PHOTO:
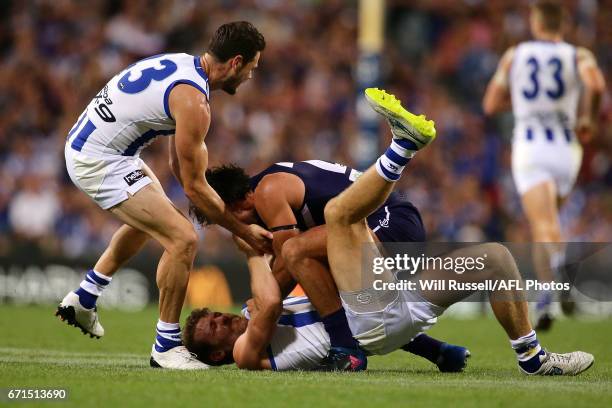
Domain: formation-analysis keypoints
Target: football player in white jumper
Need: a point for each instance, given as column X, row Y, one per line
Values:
column 164, row 95
column 544, row 79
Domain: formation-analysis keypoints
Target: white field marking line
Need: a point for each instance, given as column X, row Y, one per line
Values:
column 11, row 351
column 67, row 361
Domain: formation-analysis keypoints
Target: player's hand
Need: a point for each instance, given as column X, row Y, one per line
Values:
column 250, row 303
column 258, row 238
column 585, row 129
column 244, row 247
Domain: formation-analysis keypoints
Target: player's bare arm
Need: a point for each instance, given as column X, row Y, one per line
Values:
column 497, row 97
column 192, row 114
column 264, row 309
column 173, row 161
column 276, row 196
column 594, row 87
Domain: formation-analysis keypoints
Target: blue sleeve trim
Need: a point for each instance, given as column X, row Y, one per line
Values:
column 199, row 69
column 172, row 85
column 145, row 138
column 271, row 358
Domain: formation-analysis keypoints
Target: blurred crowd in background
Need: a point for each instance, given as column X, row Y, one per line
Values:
column 57, row 54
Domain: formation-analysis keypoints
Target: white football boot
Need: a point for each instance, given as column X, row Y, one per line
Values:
column 563, row 364
column 177, row 358
column 72, row 312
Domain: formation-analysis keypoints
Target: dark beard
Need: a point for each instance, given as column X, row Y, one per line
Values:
column 229, row 88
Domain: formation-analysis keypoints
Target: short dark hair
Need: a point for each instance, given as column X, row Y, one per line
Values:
column 230, row 181
column 200, row 348
column 236, row 38
column 551, row 13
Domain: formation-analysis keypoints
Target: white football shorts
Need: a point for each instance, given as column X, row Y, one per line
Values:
column 537, row 158
column 108, row 180
column 383, row 321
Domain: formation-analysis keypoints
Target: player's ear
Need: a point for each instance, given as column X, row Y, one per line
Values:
column 217, row 355
column 237, row 62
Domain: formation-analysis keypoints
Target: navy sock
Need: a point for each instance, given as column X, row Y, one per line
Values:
column 391, row 164
column 528, row 352
column 425, row 346
column 91, row 287
column 168, row 336
column 534, row 363
column 337, row 327
column 86, row 299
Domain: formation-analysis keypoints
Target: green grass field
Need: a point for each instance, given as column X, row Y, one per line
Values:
column 36, row 350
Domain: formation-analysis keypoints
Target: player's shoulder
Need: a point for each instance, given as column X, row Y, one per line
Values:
column 188, row 101
column 584, row 54
column 277, row 180
column 276, row 185
column 509, row 54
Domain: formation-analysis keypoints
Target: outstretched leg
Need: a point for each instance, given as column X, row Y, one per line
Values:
column 349, row 239
column 346, row 214
column 509, row 307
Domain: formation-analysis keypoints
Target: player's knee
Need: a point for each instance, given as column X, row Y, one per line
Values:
column 546, row 231
column 291, row 252
column 335, row 213
column 184, row 244
column 500, row 260
column 544, row 227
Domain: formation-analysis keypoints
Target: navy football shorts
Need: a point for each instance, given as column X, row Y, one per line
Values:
column 398, row 222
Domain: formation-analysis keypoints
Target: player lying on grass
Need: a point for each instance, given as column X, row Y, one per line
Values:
column 288, row 199
column 379, row 320
column 267, row 337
